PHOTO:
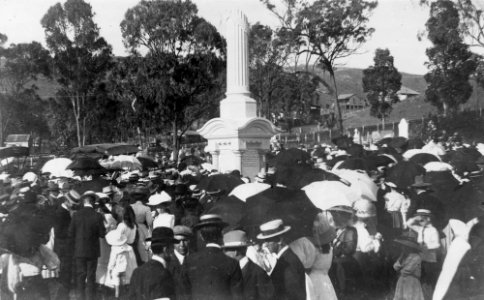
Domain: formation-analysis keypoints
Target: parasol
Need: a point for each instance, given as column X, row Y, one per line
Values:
column 327, row 194
column 361, row 184
column 244, row 191
column 231, row 209
column 86, row 166
column 57, row 167
column 424, row 158
column 223, row 182
column 122, row 162
column 292, row 206
column 403, row 174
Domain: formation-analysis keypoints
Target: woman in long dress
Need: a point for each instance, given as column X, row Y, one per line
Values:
column 409, row 267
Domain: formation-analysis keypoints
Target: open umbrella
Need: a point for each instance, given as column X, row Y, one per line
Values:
column 14, row 151
column 57, row 167
column 361, row 183
column 464, row 160
column 327, row 194
column 122, row 162
column 86, row 166
column 403, row 174
column 147, row 162
column 231, row 209
column 223, row 182
column 292, row 206
column 424, row 158
column 192, row 160
column 244, row 191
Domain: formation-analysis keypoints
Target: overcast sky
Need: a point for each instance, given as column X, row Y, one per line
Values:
column 396, row 22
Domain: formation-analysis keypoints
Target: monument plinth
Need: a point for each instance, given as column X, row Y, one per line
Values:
column 238, row 139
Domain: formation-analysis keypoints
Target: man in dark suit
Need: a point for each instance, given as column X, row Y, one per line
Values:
column 182, row 234
column 63, row 243
column 86, row 228
column 209, row 273
column 257, row 284
column 152, row 280
column 288, row 275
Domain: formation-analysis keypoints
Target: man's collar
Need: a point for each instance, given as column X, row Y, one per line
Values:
column 65, row 206
column 243, row 262
column 281, row 252
column 213, row 245
column 179, row 256
column 159, row 259
column 88, row 205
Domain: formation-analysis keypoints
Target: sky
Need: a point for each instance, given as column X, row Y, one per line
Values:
column 396, row 22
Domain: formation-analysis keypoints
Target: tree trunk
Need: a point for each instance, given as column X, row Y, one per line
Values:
column 176, row 144
column 445, row 108
column 338, row 109
column 1, row 128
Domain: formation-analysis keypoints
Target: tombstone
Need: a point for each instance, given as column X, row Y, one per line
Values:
column 238, row 139
column 356, row 137
column 403, row 128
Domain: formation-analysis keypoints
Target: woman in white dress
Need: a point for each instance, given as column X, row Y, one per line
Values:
column 316, row 256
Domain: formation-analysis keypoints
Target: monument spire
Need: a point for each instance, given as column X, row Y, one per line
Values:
column 238, row 104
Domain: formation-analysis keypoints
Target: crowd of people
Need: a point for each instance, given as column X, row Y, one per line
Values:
column 155, row 234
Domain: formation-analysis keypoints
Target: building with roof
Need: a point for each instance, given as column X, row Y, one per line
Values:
column 405, row 93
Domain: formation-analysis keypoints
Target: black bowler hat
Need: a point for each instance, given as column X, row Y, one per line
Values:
column 162, row 236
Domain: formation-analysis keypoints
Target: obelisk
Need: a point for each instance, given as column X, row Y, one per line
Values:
column 238, row 139
column 238, row 104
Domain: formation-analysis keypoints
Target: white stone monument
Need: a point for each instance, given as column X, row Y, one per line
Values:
column 403, row 128
column 238, row 139
column 357, row 137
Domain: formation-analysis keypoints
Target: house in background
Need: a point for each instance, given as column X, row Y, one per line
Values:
column 406, row 93
column 351, row 102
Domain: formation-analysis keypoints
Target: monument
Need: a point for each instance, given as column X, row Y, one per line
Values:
column 238, row 139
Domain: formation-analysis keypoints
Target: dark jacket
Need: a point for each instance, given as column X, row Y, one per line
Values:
column 63, row 244
column 210, row 274
column 151, row 281
column 175, row 269
column 257, row 284
column 288, row 277
column 87, row 227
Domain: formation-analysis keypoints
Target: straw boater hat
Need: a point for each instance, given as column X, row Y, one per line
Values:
column 116, row 238
column 159, row 198
column 342, row 208
column 108, row 190
column 271, row 229
column 90, row 194
column 73, row 197
column 423, row 212
column 235, row 239
column 408, row 242
column 210, row 220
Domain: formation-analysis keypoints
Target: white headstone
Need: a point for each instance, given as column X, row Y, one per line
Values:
column 356, row 136
column 403, row 128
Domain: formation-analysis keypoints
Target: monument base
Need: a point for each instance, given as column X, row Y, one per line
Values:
column 238, row 107
column 238, row 145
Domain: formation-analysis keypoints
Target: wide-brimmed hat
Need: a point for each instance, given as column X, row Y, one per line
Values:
column 235, row 239
column 159, row 198
column 342, row 208
column 423, row 212
column 180, row 231
column 73, row 197
column 408, row 242
column 108, row 190
column 420, row 182
column 89, row 194
column 271, row 229
column 210, row 220
column 116, row 238
column 162, row 236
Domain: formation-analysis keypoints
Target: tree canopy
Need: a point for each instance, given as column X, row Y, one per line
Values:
column 450, row 61
column 381, row 82
column 81, row 58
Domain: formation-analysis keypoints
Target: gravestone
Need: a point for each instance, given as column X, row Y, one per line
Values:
column 403, row 128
